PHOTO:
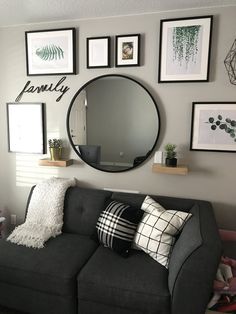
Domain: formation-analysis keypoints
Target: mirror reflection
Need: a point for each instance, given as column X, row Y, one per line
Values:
column 113, row 123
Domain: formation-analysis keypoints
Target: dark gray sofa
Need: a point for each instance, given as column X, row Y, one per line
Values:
column 75, row 275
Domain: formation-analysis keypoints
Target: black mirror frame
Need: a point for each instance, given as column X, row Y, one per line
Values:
column 69, row 111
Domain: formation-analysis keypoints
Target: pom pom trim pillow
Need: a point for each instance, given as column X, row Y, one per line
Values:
column 156, row 232
column 116, row 226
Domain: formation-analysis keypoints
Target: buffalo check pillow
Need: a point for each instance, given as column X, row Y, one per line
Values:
column 156, row 232
column 116, row 226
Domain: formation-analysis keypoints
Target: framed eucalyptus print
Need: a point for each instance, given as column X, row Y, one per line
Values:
column 25, row 123
column 213, row 126
column 184, row 52
column 50, row 52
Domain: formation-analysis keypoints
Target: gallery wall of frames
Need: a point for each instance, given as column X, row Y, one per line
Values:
column 184, row 57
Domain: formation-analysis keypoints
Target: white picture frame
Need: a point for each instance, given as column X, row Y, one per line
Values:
column 98, row 52
column 25, row 123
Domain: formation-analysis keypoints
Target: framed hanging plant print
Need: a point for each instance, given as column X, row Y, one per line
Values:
column 50, row 52
column 185, row 49
column 213, row 126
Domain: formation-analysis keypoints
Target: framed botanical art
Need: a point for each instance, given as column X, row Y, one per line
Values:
column 184, row 52
column 25, row 123
column 98, row 52
column 50, row 52
column 128, row 50
column 213, row 126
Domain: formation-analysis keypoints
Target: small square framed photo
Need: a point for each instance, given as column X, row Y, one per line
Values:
column 98, row 52
column 184, row 52
column 213, row 126
column 50, row 52
column 128, row 50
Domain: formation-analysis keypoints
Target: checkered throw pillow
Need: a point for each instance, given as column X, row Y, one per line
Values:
column 116, row 226
column 156, row 232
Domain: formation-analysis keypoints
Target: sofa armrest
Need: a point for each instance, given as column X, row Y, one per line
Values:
column 194, row 262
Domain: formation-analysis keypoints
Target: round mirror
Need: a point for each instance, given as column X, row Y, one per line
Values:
column 113, row 123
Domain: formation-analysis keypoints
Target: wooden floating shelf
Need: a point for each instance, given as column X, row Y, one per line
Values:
column 56, row 163
column 161, row 168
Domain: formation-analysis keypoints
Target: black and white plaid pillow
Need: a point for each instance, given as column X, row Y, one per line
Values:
column 156, row 232
column 116, row 226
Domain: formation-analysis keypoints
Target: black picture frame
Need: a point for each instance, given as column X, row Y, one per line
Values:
column 26, row 128
column 181, row 59
column 51, row 52
column 213, row 126
column 98, row 52
column 131, row 43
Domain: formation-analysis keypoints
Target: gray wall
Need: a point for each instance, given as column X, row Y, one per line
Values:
column 212, row 175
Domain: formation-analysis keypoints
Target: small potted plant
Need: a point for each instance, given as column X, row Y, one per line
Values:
column 171, row 160
column 55, row 148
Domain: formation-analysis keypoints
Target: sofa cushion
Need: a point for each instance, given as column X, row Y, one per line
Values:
column 157, row 230
column 52, row 269
column 82, row 208
column 116, row 226
column 137, row 283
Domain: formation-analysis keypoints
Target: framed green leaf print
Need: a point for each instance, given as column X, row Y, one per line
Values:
column 185, row 49
column 50, row 52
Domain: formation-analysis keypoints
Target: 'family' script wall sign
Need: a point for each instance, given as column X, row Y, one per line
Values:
column 58, row 87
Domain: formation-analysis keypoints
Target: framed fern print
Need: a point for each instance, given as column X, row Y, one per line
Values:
column 50, row 52
column 185, row 49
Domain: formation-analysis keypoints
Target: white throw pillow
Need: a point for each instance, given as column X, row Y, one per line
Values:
column 156, row 232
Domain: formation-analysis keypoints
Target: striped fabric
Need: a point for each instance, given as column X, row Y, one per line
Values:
column 157, row 230
column 117, row 225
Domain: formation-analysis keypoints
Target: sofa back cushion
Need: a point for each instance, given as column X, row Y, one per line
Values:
column 82, row 208
column 136, row 200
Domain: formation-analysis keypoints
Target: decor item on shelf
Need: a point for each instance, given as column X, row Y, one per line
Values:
column 185, row 49
column 213, row 126
column 98, row 52
column 127, row 50
column 50, row 52
column 55, row 147
column 230, row 63
column 171, row 160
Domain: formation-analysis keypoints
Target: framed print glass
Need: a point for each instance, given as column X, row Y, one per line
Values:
column 213, row 126
column 185, row 49
column 50, row 52
column 26, row 128
column 127, row 50
column 98, row 52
